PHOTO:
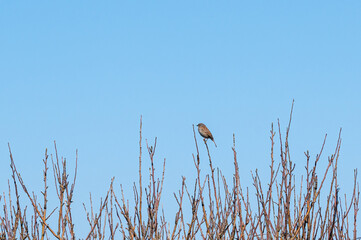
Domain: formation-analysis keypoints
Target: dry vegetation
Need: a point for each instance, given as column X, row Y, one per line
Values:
column 209, row 208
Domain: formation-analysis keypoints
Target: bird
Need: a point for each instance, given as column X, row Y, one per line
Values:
column 204, row 132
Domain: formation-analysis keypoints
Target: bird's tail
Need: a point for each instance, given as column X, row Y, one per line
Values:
column 214, row 143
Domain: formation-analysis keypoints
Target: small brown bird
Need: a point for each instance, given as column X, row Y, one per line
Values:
column 204, row 132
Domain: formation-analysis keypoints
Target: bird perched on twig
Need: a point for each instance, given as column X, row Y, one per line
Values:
column 204, row 132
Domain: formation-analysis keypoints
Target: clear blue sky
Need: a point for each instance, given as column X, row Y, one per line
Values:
column 83, row 72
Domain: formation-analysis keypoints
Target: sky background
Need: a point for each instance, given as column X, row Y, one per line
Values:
column 82, row 73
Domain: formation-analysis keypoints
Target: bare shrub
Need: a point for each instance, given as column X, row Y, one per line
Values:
column 216, row 209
